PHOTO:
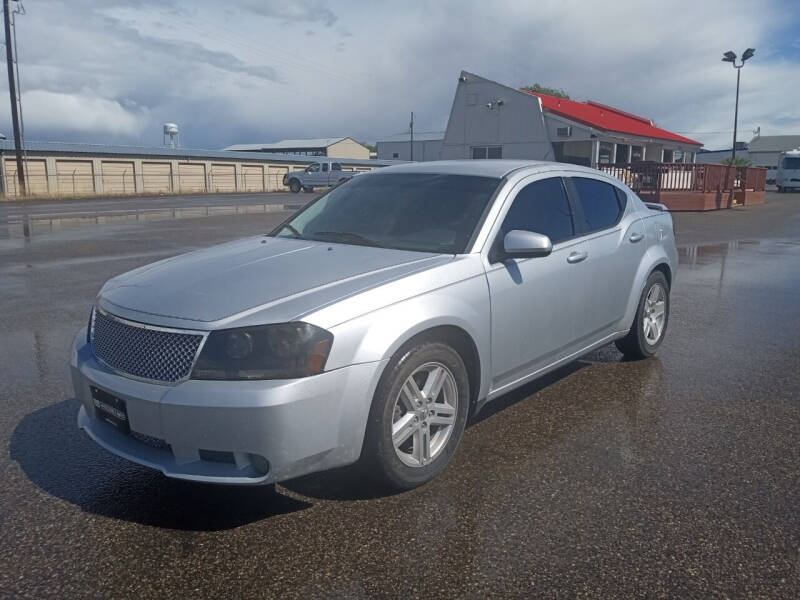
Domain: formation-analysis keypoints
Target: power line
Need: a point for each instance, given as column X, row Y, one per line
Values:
column 291, row 57
column 291, row 60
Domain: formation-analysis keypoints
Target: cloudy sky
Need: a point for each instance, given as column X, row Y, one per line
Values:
column 112, row 71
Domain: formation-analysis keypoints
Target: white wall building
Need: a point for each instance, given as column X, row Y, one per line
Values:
column 331, row 147
column 491, row 120
column 764, row 150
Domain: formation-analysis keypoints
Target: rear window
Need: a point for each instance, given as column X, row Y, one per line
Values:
column 601, row 203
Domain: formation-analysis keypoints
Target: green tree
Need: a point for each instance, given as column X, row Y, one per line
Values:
column 542, row 89
column 736, row 162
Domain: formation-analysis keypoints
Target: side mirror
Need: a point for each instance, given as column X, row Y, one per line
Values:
column 526, row 244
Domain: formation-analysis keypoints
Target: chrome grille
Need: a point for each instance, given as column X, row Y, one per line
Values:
column 144, row 352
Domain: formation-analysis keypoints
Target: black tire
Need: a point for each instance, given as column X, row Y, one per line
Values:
column 294, row 186
column 636, row 344
column 379, row 455
column 308, row 189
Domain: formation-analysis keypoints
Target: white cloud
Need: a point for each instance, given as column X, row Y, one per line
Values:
column 79, row 112
column 246, row 70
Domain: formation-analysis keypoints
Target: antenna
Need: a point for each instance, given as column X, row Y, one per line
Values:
column 171, row 132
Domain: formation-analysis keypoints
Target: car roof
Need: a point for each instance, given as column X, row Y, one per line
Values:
column 482, row 167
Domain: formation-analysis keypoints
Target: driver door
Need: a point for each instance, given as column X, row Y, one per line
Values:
column 313, row 175
column 536, row 302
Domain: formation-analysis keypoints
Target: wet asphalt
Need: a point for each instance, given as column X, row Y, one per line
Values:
column 675, row 477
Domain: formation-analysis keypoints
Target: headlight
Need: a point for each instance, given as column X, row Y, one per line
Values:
column 282, row 351
column 90, row 326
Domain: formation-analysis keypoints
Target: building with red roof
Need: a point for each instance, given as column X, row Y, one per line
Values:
column 491, row 120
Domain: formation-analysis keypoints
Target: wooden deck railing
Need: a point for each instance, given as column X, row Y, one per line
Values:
column 650, row 179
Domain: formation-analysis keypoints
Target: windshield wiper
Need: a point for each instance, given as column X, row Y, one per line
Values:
column 347, row 236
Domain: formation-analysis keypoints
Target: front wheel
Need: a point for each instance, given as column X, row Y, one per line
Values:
column 294, row 185
column 652, row 317
column 418, row 415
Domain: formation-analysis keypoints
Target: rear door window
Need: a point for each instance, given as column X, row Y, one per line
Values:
column 543, row 207
column 602, row 205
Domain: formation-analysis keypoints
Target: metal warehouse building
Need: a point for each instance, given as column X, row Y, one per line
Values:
column 491, row 120
column 60, row 169
column 765, row 150
column 331, row 147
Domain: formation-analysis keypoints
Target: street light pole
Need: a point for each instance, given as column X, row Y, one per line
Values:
column 736, row 110
column 731, row 58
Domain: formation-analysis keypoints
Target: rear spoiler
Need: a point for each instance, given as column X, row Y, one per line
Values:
column 656, row 206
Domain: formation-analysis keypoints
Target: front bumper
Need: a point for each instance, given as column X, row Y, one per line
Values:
column 236, row 432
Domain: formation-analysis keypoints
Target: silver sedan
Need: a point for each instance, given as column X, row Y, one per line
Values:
column 369, row 325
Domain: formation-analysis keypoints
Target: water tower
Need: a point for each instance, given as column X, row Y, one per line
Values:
column 171, row 132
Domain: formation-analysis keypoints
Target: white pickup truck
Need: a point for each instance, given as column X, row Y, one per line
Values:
column 324, row 173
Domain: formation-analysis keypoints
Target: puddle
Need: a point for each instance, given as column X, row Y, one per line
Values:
column 28, row 226
column 704, row 254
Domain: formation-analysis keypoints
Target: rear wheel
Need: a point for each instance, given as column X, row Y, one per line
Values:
column 294, row 185
column 418, row 415
column 652, row 317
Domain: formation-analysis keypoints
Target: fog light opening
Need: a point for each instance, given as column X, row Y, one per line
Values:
column 260, row 463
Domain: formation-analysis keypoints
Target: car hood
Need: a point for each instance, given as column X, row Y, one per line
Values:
column 226, row 280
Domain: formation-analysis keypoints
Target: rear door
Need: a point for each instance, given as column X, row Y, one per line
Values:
column 535, row 301
column 336, row 173
column 615, row 241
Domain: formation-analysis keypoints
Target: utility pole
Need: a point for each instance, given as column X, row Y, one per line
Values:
column 412, row 136
column 12, row 90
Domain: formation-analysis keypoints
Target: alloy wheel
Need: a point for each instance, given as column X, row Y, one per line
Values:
column 424, row 414
column 655, row 313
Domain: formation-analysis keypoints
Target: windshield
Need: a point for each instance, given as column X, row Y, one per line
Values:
column 791, row 162
column 425, row 212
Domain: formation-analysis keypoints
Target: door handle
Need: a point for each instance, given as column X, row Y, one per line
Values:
column 636, row 237
column 576, row 257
